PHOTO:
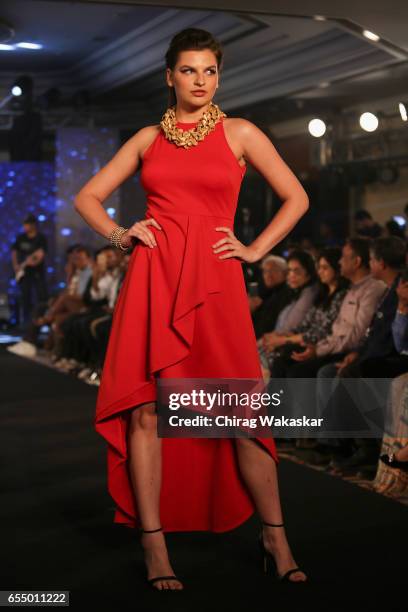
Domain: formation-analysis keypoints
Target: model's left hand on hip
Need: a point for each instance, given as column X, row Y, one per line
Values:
column 234, row 247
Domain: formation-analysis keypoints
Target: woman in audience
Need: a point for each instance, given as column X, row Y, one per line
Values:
column 317, row 323
column 301, row 278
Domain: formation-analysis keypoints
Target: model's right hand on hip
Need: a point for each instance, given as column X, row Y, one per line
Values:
column 140, row 231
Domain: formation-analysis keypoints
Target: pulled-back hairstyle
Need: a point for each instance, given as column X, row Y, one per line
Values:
column 191, row 39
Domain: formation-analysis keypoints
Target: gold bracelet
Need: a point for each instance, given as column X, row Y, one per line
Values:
column 115, row 237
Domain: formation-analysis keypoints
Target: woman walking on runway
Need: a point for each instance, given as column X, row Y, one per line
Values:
column 182, row 312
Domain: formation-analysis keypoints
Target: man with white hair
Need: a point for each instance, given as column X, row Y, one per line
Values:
column 266, row 306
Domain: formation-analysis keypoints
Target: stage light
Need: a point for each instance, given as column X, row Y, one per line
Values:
column 403, row 111
column 371, row 35
column 4, row 47
column 369, row 122
column 29, row 45
column 317, row 127
column 111, row 211
column 22, row 86
column 65, row 231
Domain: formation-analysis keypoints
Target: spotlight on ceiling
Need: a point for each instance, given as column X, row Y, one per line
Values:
column 16, row 91
column 316, row 127
column 369, row 122
column 371, row 35
column 403, row 111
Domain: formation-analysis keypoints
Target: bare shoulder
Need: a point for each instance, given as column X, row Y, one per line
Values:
column 242, row 136
column 240, row 128
column 143, row 138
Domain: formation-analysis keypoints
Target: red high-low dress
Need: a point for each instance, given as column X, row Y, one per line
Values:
column 181, row 313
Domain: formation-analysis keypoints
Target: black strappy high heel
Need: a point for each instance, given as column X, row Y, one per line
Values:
column 151, row 581
column 267, row 556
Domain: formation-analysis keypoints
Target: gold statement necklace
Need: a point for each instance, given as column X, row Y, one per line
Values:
column 189, row 138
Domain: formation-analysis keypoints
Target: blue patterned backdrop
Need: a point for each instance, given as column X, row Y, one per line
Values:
column 81, row 153
column 48, row 190
column 25, row 187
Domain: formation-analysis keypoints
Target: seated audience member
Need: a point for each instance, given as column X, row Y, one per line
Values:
column 318, row 322
column 78, row 271
column 391, row 478
column 394, row 451
column 387, row 258
column 301, row 279
column 100, row 292
column 273, row 296
column 365, row 225
column 400, row 323
column 70, row 300
column 95, row 334
column 356, row 311
column 395, row 362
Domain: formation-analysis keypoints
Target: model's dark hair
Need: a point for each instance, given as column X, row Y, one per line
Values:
column 191, row 39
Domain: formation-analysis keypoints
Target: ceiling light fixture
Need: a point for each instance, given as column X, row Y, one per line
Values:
column 316, row 127
column 403, row 111
column 29, row 45
column 371, row 35
column 369, row 122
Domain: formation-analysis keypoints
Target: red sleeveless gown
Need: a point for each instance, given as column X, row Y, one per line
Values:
column 181, row 313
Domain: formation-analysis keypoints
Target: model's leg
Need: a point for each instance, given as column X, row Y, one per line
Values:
column 259, row 472
column 145, row 471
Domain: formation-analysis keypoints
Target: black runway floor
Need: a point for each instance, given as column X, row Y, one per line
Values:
column 57, row 530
